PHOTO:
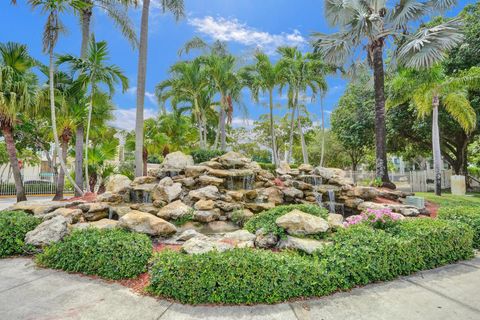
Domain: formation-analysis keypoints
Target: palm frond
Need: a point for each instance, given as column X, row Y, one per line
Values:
column 429, row 45
column 406, row 11
column 335, row 48
column 459, row 107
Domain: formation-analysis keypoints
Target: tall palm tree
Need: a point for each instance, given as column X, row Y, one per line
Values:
column 92, row 71
column 428, row 90
column 263, row 76
column 117, row 11
column 369, row 24
column 177, row 8
column 189, row 82
column 53, row 28
column 301, row 72
column 18, row 94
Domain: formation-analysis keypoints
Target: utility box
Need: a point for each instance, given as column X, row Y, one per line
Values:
column 458, row 185
column 417, row 202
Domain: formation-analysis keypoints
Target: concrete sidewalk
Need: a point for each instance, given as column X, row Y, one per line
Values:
column 451, row 292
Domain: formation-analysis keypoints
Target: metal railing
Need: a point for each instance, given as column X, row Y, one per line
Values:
column 34, row 185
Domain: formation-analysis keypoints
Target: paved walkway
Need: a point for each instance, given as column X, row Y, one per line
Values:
column 451, row 292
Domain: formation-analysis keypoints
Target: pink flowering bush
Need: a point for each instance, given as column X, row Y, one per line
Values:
column 378, row 218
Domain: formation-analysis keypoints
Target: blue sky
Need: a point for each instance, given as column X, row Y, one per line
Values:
column 245, row 24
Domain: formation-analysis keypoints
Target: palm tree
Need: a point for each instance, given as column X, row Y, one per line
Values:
column 301, row 72
column 93, row 71
column 369, row 24
column 18, row 94
column 117, row 11
column 176, row 7
column 264, row 76
column 428, row 90
column 189, row 83
column 53, row 28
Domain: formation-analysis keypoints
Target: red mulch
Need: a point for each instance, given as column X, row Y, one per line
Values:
column 278, row 182
column 432, row 208
column 385, row 200
column 157, row 247
column 137, row 284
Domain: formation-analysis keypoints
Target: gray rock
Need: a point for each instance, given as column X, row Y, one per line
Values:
column 209, row 192
column 335, row 220
column 176, row 161
column 48, row 232
column 208, row 180
column 199, row 245
column 292, row 193
column 117, row 183
column 95, row 211
column 206, row 215
column 110, row 197
column 174, row 210
column 204, row 204
column 188, row 234
column 265, row 240
column 100, row 224
column 72, row 215
column 146, row 223
column 167, row 192
column 307, row 245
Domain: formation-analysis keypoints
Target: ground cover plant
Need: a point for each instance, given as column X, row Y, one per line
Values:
column 266, row 220
column 13, row 228
column 467, row 214
column 358, row 255
column 112, row 254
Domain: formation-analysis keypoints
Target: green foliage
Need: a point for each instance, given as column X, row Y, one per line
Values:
column 183, row 219
column 127, row 168
column 112, row 254
column 358, row 255
column 202, row 155
column 467, row 214
column 14, row 225
column 266, row 220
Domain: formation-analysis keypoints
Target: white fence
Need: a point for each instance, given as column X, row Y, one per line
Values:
column 414, row 181
column 34, row 185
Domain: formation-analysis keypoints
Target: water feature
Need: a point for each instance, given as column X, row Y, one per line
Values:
column 245, row 182
column 230, row 185
column 331, row 201
column 248, row 182
column 140, row 196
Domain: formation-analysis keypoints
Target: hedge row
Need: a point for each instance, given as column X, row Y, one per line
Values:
column 359, row 255
column 266, row 219
column 14, row 225
column 112, row 254
column 466, row 214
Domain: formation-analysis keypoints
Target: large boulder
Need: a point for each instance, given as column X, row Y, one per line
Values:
column 174, row 210
column 72, row 215
column 177, row 161
column 365, row 193
column 265, row 240
column 47, row 232
column 206, row 215
column 208, row 180
column 292, row 193
column 283, row 168
column 240, row 239
column 142, row 222
column 297, row 222
column 100, row 224
column 110, row 197
column 307, row 245
column 95, row 211
column 117, row 183
column 208, row 192
column 335, row 220
column 144, row 180
column 195, row 171
column 38, row 209
column 167, row 193
column 204, row 204
column 405, row 210
column 188, row 234
column 233, row 159
column 273, row 195
column 203, row 244
column 259, row 206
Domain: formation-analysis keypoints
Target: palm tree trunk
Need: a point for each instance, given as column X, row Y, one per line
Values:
column 87, row 137
column 302, row 138
column 292, row 126
column 86, row 17
column 272, row 131
column 54, row 124
column 381, row 168
column 223, row 141
column 323, row 132
column 437, row 158
column 61, row 174
column 141, row 78
column 12, row 155
column 217, row 135
column 145, row 161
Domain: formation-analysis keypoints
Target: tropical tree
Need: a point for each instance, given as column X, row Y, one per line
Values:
column 53, row 28
column 177, row 8
column 301, row 72
column 189, row 83
column 117, row 11
column 263, row 76
column 92, row 71
column 369, row 24
column 18, row 94
column 428, row 90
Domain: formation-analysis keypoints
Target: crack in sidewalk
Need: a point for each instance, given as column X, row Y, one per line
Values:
column 24, row 283
column 165, row 311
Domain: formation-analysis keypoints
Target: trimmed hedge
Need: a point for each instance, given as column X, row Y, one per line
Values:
column 112, row 254
column 358, row 255
column 202, row 155
column 466, row 214
column 266, row 219
column 14, row 225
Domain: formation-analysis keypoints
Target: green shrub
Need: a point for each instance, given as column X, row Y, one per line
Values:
column 266, row 219
column 14, row 225
column 202, row 155
column 267, row 166
column 358, row 255
column 183, row 219
column 466, row 214
column 237, row 276
column 112, row 254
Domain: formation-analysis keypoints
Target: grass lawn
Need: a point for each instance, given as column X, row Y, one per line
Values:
column 451, row 200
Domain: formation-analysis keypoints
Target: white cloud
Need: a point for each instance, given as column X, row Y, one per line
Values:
column 125, row 118
column 235, row 31
column 242, row 122
column 149, row 95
